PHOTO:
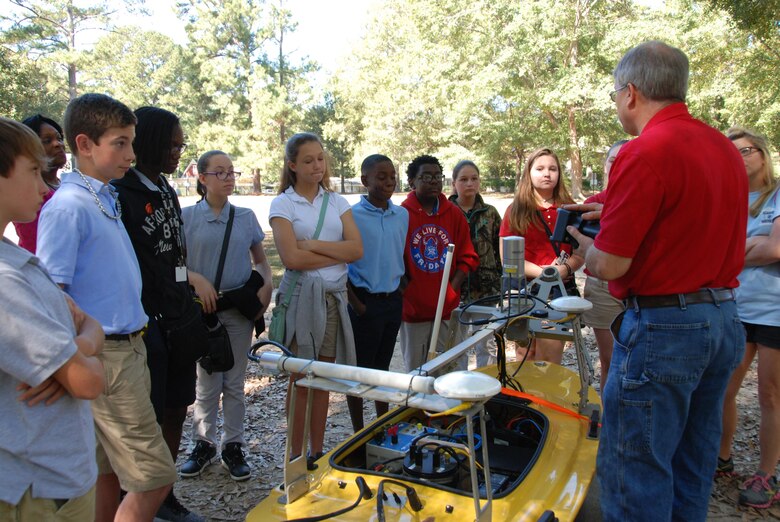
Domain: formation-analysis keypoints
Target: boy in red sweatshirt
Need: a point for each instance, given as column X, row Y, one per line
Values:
column 434, row 222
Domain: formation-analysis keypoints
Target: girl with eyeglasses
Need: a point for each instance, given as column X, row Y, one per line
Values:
column 50, row 133
column 532, row 215
column 205, row 226
column 759, row 286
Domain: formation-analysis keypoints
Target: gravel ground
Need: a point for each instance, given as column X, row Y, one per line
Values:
column 217, row 497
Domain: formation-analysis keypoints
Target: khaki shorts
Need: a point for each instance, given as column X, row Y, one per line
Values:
column 605, row 307
column 332, row 325
column 75, row 509
column 130, row 442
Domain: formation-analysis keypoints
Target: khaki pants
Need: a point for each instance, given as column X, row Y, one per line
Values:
column 130, row 442
column 76, row 509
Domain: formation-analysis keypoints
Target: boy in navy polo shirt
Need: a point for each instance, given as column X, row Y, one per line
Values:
column 374, row 295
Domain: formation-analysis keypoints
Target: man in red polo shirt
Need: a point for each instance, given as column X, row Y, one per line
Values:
column 671, row 244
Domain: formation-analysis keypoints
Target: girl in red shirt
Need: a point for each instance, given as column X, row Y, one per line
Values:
column 540, row 191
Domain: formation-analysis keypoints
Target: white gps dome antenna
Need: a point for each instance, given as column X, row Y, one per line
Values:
column 571, row 304
column 467, row 386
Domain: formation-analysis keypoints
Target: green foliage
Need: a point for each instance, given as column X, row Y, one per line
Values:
column 494, row 80
column 486, row 80
column 497, row 79
column 155, row 70
column 251, row 93
column 758, row 17
column 25, row 88
column 750, row 71
column 48, row 29
column 327, row 120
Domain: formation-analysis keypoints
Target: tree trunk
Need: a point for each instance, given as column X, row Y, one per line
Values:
column 519, row 155
column 257, row 181
column 72, row 87
column 575, row 154
column 282, row 126
column 575, row 157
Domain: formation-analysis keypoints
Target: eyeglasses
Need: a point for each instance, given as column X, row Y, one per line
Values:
column 179, row 148
column 431, row 178
column 747, row 151
column 222, row 176
column 613, row 94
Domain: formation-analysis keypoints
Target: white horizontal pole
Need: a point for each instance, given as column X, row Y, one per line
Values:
column 370, row 376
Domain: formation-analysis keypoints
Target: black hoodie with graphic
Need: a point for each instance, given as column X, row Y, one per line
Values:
column 153, row 222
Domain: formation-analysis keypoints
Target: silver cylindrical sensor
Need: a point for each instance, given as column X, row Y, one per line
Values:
column 514, row 256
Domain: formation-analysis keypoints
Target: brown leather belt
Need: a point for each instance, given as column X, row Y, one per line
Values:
column 707, row 295
column 123, row 337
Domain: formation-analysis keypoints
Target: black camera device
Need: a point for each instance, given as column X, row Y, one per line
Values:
column 572, row 218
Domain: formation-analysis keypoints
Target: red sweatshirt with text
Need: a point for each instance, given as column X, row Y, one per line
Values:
column 424, row 257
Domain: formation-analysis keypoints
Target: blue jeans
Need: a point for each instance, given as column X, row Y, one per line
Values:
column 663, row 405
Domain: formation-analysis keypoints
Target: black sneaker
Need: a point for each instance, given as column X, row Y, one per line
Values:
column 201, row 456
column 172, row 511
column 725, row 468
column 233, row 461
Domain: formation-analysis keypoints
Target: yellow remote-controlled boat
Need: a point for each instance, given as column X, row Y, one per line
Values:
column 511, row 442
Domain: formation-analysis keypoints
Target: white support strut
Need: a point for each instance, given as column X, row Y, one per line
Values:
column 445, row 280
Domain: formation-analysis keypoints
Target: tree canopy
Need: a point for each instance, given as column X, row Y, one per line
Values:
column 487, row 80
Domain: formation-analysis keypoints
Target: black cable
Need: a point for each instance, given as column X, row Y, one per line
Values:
column 364, row 492
column 482, row 322
column 411, row 495
column 384, row 463
column 501, row 357
column 525, row 356
column 252, row 353
column 504, row 378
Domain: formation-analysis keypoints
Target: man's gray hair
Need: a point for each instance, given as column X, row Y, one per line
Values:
column 659, row 71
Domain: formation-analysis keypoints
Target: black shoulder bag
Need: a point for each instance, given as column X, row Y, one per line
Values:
column 220, row 354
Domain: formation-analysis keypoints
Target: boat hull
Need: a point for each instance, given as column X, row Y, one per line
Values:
column 556, row 477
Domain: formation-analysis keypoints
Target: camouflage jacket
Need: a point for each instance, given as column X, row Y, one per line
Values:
column 484, row 222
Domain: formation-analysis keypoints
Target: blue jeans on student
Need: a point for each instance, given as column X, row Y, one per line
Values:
column 663, row 406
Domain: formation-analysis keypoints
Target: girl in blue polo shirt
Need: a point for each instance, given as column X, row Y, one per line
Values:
column 759, row 285
column 204, row 226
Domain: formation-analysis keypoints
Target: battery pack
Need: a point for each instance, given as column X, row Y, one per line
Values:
column 384, row 448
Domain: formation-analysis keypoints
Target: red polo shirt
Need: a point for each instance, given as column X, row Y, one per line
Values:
column 538, row 249
column 677, row 206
